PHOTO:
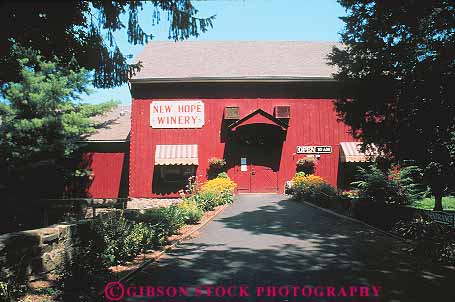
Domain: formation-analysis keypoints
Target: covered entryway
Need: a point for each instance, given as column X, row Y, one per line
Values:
column 253, row 151
column 257, row 164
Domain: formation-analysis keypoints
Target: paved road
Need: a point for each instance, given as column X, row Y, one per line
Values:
column 266, row 240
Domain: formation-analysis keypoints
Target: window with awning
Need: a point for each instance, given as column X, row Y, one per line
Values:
column 176, row 155
column 350, row 152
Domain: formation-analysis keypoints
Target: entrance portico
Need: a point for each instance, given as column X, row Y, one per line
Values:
column 254, row 150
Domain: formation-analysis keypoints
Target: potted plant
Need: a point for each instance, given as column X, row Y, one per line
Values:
column 216, row 166
column 217, row 163
column 306, row 165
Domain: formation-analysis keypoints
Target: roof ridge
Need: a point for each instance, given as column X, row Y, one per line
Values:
column 242, row 41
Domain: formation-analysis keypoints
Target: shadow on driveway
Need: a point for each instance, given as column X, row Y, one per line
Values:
column 268, row 240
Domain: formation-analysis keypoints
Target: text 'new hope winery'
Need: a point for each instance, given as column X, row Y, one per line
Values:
column 177, row 114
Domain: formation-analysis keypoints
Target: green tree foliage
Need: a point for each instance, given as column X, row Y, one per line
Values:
column 398, row 64
column 85, row 30
column 398, row 186
column 42, row 118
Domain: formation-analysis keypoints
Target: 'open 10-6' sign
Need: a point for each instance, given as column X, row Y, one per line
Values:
column 313, row 149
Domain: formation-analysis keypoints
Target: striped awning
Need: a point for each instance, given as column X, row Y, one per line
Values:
column 350, row 152
column 176, row 155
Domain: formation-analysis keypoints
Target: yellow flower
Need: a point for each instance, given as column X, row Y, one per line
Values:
column 218, row 185
column 188, row 205
column 300, row 180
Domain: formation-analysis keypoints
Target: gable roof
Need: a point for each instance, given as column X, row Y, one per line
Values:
column 258, row 116
column 205, row 61
column 115, row 125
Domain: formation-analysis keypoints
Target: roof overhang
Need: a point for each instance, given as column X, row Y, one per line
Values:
column 258, row 116
column 103, row 141
column 271, row 79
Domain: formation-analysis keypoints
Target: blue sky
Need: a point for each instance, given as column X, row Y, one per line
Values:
column 296, row 20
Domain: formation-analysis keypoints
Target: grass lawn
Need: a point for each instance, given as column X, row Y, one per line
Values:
column 448, row 203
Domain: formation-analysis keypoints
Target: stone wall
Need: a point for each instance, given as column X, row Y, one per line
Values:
column 34, row 253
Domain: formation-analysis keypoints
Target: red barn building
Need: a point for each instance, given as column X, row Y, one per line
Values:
column 260, row 106
column 106, row 155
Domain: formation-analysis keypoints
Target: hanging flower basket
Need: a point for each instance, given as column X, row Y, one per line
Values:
column 216, row 166
column 306, row 165
column 217, row 163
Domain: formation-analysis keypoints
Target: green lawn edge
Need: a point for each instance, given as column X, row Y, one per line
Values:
column 448, row 203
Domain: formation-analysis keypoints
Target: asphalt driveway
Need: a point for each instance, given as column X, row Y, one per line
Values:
column 266, row 240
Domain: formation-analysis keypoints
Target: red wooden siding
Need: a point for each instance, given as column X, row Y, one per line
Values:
column 107, row 174
column 312, row 122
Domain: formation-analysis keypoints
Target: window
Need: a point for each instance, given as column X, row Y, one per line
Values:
column 282, row 112
column 231, row 113
column 177, row 173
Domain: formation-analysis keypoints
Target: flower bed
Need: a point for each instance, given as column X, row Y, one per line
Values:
column 212, row 193
column 379, row 199
column 314, row 189
column 119, row 237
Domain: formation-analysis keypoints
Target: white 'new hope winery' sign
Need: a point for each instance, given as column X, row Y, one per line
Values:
column 177, row 114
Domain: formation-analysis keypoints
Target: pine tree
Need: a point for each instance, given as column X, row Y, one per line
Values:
column 398, row 61
column 85, row 30
column 42, row 123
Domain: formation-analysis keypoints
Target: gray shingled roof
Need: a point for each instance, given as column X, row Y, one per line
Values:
column 234, row 60
column 116, row 125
